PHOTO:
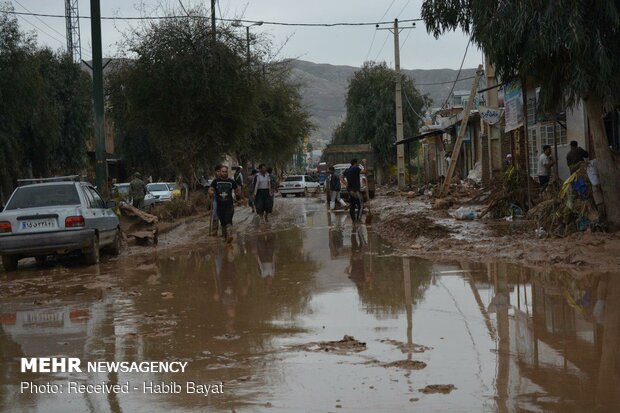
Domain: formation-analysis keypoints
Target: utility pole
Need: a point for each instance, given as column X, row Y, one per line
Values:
column 398, row 92
column 95, row 24
column 213, row 33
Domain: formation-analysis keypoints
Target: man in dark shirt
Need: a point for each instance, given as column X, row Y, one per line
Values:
column 222, row 187
column 575, row 156
column 354, row 186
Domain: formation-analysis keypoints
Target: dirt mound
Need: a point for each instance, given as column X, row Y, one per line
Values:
column 348, row 344
column 412, row 226
column 438, row 388
column 406, row 364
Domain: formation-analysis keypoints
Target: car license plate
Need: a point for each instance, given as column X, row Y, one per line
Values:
column 39, row 224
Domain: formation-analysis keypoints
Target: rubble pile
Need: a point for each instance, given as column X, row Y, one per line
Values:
column 571, row 210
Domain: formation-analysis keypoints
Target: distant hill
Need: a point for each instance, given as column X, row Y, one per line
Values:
column 325, row 88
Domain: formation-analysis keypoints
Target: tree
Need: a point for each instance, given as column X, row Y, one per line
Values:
column 371, row 111
column 185, row 102
column 45, row 108
column 571, row 48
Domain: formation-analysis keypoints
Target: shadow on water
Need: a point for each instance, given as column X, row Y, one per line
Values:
column 508, row 338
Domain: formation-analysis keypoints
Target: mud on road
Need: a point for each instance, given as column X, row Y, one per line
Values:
column 257, row 316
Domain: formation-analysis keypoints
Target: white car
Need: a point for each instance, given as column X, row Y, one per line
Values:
column 160, row 190
column 299, row 185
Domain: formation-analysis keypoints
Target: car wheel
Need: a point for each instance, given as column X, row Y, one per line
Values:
column 117, row 244
column 9, row 262
column 92, row 255
column 283, row 195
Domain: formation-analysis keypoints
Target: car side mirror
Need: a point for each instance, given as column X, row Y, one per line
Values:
column 110, row 204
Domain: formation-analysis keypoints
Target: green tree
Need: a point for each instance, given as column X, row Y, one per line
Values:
column 570, row 47
column 45, row 108
column 182, row 102
column 371, row 110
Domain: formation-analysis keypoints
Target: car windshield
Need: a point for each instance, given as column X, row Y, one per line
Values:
column 292, row 178
column 44, row 196
column 157, row 187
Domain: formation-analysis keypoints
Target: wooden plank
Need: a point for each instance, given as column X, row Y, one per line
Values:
column 459, row 140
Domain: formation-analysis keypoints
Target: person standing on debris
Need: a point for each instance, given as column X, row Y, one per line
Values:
column 137, row 189
column 575, row 156
column 263, row 193
column 334, row 189
column 250, row 189
column 354, row 187
column 545, row 162
column 222, row 188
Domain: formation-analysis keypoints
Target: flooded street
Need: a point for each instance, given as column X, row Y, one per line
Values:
column 256, row 317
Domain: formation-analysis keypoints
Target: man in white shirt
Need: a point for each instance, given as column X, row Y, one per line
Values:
column 545, row 162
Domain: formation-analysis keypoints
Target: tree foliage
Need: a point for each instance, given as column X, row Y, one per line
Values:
column 571, row 48
column 371, row 110
column 45, row 109
column 181, row 102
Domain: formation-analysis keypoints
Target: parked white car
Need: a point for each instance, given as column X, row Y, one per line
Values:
column 160, row 190
column 57, row 216
column 299, row 185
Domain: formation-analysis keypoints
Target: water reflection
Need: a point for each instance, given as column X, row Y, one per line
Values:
column 509, row 339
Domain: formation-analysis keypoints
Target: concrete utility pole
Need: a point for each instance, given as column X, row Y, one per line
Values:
column 95, row 25
column 213, row 33
column 400, row 149
column 247, row 41
column 400, row 134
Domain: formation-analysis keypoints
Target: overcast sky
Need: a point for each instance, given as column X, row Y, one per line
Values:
column 339, row 45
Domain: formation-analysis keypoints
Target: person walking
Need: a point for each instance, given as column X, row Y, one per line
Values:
column 137, row 190
column 263, row 193
column 250, row 189
column 575, row 156
column 222, row 189
column 354, row 186
column 238, row 177
column 334, row 189
column 545, row 162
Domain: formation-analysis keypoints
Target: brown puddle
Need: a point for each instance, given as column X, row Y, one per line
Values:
column 500, row 337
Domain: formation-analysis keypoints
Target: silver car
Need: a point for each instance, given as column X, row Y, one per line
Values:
column 57, row 218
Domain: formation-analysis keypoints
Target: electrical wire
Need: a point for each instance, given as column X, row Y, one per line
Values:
column 411, row 106
column 446, row 82
column 375, row 33
column 269, row 23
column 382, row 46
column 457, row 75
column 62, row 35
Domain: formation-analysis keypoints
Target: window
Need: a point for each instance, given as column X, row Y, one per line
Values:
column 292, row 178
column 44, row 196
column 99, row 203
column 90, row 200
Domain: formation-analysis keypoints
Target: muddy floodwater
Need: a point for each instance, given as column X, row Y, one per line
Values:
column 311, row 315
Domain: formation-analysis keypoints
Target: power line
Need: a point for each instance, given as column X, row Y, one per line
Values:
column 383, row 45
column 403, row 9
column 375, row 33
column 270, row 23
column 445, row 83
column 458, row 74
column 39, row 19
column 411, row 106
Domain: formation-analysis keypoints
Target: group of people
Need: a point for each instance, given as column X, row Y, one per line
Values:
column 574, row 157
column 351, row 179
column 257, row 191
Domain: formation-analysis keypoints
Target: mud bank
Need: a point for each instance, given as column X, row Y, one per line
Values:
column 414, row 228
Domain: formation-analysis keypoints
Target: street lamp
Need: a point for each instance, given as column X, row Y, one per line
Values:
column 247, row 38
